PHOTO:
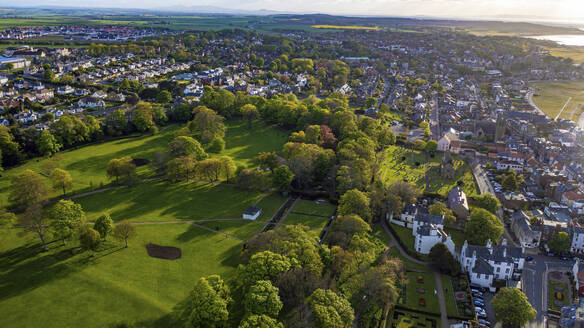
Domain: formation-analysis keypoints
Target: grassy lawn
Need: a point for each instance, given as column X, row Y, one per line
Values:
column 87, row 165
column 243, row 229
column 405, row 319
column 307, row 220
column 411, row 165
column 270, row 204
column 60, row 288
column 163, row 201
column 449, row 295
column 325, row 209
column 417, row 289
column 551, row 97
column 407, row 239
column 552, row 299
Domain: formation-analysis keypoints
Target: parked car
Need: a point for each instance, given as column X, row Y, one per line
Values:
column 484, row 322
column 528, row 258
column 478, row 302
column 480, row 310
column 477, row 294
column 565, row 258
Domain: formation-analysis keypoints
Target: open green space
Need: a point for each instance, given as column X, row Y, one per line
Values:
column 403, row 164
column 378, row 232
column 161, row 200
column 64, row 288
column 409, row 265
column 270, row 204
column 407, row 240
column 309, row 207
column 307, row 220
column 449, row 295
column 419, row 292
column 87, row 165
column 240, row 228
column 551, row 97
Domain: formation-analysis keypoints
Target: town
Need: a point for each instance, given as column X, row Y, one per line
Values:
column 357, row 177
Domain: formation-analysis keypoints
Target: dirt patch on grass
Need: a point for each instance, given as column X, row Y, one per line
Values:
column 163, row 252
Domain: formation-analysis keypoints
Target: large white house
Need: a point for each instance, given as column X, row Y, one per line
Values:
column 428, row 230
column 484, row 264
column 577, row 240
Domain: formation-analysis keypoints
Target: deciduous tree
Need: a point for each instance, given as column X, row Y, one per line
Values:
column 329, row 310
column 355, row 202
column 104, row 225
column 65, row 218
column 124, row 231
column 47, row 144
column 89, row 239
column 512, row 307
column 483, row 226
column 61, row 180
column 560, row 242
column 27, row 188
column 206, row 306
column 262, row 298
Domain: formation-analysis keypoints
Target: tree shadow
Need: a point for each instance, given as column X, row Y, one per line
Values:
column 24, row 269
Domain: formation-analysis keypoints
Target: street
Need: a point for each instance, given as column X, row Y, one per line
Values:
column 534, row 283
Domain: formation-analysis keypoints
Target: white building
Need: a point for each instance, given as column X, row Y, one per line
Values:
column 428, row 231
column 578, row 240
column 484, row 264
column 252, row 213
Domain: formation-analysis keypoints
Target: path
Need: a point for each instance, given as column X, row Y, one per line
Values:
column 564, row 107
column 439, row 287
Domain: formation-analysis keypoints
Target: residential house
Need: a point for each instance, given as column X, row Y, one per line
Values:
column 528, row 235
column 457, row 203
column 91, row 102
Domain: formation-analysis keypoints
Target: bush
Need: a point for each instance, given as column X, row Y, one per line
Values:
column 216, row 145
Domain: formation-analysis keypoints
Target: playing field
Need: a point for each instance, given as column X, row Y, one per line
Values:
column 63, row 288
column 551, row 97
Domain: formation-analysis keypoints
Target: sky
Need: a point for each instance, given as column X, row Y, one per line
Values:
column 553, row 10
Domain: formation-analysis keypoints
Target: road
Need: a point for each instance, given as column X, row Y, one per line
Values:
column 534, row 284
column 529, row 97
column 485, row 187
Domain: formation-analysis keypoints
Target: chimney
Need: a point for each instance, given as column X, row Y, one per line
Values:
column 504, row 242
column 505, row 252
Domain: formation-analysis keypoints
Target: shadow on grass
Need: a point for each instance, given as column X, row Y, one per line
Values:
column 26, row 268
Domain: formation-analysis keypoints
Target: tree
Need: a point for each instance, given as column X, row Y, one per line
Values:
column 262, row 298
column 512, row 308
column 267, row 160
column 488, row 202
column 509, row 182
column 122, row 168
column 124, row 231
column 216, row 145
column 164, row 97
column 228, row 167
column 181, row 168
column 249, row 112
column 65, row 218
column 143, row 116
column 27, row 188
column 560, row 242
column 282, row 178
column 355, row 202
column 89, row 239
column 329, row 310
column 206, row 125
column 264, row 265
column 61, row 180
column 104, row 225
column 33, row 220
column 419, row 144
column 439, row 208
column 431, row 145
column 344, row 227
column 408, row 192
column 47, row 144
column 260, row 321
column 184, row 146
column 483, row 226
column 49, row 75
column 370, row 102
column 442, row 259
column 206, row 306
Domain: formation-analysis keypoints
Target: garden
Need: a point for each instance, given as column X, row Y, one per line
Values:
column 558, row 292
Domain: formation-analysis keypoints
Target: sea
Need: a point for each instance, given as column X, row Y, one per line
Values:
column 566, row 40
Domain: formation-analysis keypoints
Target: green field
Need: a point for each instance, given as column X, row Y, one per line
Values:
column 325, row 209
column 61, row 288
column 87, row 165
column 413, row 169
column 550, row 97
column 574, row 53
column 449, row 295
column 160, row 200
column 552, row 299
